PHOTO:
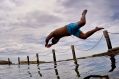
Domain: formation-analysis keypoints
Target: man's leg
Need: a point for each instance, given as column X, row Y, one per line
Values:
column 82, row 21
column 89, row 33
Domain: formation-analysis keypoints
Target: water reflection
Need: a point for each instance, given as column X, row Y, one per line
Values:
column 113, row 66
column 18, row 66
column 76, row 69
column 39, row 71
column 56, row 71
column 113, row 61
column 29, row 71
column 97, row 76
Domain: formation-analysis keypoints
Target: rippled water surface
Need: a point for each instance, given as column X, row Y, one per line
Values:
column 90, row 68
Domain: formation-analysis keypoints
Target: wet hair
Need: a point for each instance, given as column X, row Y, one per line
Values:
column 55, row 40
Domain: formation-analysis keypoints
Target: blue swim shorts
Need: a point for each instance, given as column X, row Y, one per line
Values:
column 73, row 29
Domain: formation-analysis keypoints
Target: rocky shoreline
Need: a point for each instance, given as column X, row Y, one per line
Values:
column 31, row 62
column 4, row 62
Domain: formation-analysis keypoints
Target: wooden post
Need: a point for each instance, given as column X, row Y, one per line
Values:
column 18, row 60
column 107, row 39
column 54, row 57
column 37, row 59
column 74, row 55
column 28, row 60
column 55, row 64
column 9, row 61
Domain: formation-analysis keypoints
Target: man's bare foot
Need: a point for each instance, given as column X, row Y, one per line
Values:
column 84, row 12
column 99, row 28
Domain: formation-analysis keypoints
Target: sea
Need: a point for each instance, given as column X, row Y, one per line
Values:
column 104, row 67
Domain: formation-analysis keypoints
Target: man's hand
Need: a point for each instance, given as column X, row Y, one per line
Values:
column 48, row 45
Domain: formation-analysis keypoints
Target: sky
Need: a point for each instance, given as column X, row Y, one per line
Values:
column 24, row 25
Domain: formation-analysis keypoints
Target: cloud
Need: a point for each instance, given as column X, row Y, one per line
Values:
column 75, row 8
column 38, row 19
column 26, row 23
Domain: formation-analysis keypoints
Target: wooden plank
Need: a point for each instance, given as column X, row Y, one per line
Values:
column 9, row 62
column 28, row 60
column 107, row 39
column 73, row 53
column 54, row 57
column 37, row 57
column 19, row 61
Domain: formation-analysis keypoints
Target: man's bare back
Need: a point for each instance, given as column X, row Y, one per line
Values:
column 61, row 32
